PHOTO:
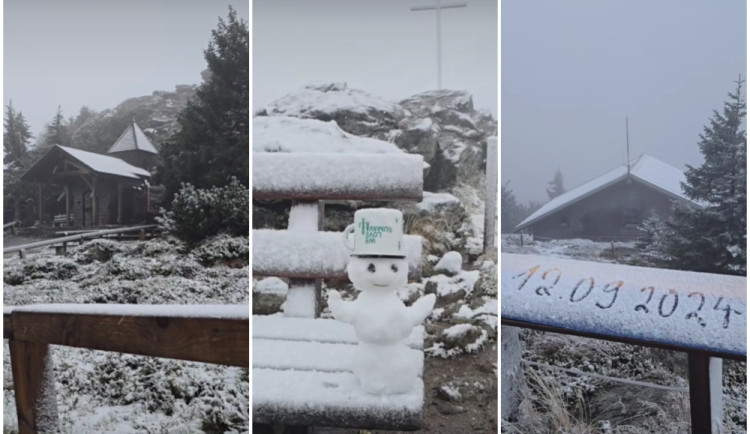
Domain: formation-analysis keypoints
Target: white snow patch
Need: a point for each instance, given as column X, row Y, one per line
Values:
column 430, row 201
column 271, row 285
column 289, row 134
column 450, row 262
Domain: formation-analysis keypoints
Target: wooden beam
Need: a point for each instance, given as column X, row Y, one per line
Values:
column 39, row 198
column 311, row 177
column 274, row 254
column 34, row 385
column 700, row 392
column 67, row 205
column 7, row 326
column 94, row 212
column 119, row 202
column 209, row 340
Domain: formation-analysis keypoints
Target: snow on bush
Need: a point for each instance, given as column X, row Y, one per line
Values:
column 222, row 248
column 450, row 262
column 458, row 339
column 196, row 214
column 443, row 285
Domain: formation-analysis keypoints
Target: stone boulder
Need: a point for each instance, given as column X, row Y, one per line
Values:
column 355, row 111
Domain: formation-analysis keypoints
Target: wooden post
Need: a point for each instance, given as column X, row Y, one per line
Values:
column 34, row 385
column 490, row 193
column 94, row 223
column 700, row 393
column 39, row 204
column 304, row 294
column 68, row 223
column 119, row 202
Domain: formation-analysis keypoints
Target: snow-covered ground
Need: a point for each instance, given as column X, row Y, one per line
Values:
column 112, row 392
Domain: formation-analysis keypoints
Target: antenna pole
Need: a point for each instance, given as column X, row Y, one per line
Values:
column 627, row 144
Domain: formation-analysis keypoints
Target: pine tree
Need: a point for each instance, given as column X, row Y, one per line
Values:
column 212, row 144
column 713, row 238
column 57, row 132
column 16, row 136
column 16, row 139
column 556, row 187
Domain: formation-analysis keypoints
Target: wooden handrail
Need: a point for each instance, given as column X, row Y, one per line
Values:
column 337, row 176
column 76, row 237
column 11, row 224
column 218, row 334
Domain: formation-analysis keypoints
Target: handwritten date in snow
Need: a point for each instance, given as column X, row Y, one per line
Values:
column 694, row 306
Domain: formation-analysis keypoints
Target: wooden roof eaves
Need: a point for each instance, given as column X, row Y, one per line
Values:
column 573, row 201
column 635, row 178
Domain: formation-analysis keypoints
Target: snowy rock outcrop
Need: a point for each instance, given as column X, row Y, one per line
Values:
column 355, row 111
column 156, row 114
column 440, row 125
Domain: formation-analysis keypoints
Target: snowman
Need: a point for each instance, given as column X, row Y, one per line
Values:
column 382, row 364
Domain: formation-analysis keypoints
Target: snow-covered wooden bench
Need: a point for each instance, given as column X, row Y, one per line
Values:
column 704, row 315
column 201, row 333
column 301, row 373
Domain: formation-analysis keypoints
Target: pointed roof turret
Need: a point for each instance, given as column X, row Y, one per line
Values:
column 133, row 138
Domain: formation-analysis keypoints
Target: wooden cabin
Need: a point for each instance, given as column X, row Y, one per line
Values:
column 97, row 190
column 611, row 206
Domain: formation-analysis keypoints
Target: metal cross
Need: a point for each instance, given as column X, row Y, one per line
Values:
column 438, row 7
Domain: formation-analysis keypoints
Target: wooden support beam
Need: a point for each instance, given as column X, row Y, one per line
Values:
column 39, row 200
column 67, row 206
column 209, row 340
column 94, row 213
column 34, row 385
column 119, row 202
column 700, row 393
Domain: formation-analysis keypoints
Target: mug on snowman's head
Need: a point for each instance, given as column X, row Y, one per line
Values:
column 376, row 232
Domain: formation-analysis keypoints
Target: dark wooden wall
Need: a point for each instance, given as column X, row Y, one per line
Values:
column 610, row 214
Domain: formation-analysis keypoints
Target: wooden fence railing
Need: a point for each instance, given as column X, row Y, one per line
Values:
column 76, row 237
column 12, row 226
column 703, row 315
column 202, row 333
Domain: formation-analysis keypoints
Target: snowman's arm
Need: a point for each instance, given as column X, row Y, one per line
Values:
column 341, row 310
column 421, row 309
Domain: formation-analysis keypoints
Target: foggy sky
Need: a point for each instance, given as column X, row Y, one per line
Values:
column 572, row 71
column 98, row 53
column 379, row 47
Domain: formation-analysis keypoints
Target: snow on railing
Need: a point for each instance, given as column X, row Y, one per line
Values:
column 207, row 333
column 314, row 254
column 337, row 176
column 76, row 237
column 702, row 314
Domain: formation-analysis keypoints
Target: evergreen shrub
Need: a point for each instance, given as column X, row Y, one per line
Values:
column 197, row 214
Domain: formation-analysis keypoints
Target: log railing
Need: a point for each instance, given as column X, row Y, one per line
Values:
column 76, row 237
column 202, row 333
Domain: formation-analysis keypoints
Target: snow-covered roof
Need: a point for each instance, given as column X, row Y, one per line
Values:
column 646, row 169
column 98, row 163
column 131, row 139
column 105, row 164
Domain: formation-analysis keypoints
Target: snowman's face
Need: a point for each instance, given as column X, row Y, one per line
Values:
column 378, row 274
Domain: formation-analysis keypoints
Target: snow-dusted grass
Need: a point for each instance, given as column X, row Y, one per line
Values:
column 112, row 392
